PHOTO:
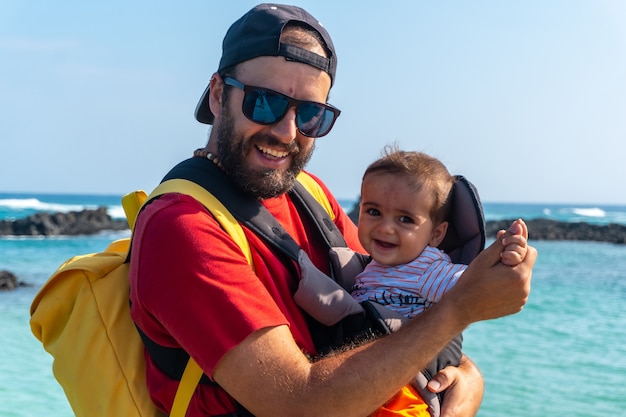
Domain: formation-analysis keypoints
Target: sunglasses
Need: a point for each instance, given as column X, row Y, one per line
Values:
column 265, row 107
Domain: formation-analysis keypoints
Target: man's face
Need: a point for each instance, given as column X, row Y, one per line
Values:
column 264, row 160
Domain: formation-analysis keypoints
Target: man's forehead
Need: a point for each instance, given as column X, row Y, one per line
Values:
column 278, row 73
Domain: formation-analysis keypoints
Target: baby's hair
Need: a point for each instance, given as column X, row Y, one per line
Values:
column 423, row 173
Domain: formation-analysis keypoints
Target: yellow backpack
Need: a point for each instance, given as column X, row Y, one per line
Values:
column 82, row 318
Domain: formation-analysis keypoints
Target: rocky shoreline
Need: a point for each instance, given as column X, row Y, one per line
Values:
column 545, row 229
column 84, row 222
column 88, row 222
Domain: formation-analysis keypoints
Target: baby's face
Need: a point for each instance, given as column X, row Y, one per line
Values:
column 394, row 220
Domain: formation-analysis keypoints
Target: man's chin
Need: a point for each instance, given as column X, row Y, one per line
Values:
column 264, row 183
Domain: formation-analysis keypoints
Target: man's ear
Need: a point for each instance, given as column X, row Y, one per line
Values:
column 439, row 232
column 215, row 94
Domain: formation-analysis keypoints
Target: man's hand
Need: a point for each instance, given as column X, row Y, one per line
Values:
column 464, row 386
column 488, row 288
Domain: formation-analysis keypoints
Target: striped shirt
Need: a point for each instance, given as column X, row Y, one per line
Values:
column 409, row 288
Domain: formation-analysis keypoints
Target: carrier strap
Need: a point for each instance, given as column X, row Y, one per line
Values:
column 247, row 210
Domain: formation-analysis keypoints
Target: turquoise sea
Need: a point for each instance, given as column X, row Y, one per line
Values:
column 563, row 355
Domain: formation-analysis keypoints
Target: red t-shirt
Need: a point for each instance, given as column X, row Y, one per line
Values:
column 192, row 287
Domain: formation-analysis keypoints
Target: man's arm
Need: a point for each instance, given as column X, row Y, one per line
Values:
column 269, row 375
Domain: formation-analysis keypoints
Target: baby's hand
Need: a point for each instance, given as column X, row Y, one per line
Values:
column 515, row 243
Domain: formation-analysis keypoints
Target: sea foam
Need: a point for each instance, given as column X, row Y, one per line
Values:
column 36, row 204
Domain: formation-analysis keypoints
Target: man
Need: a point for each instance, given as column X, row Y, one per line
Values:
column 191, row 286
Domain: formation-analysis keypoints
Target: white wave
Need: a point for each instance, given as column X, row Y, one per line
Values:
column 35, row 204
column 20, row 203
column 589, row 212
column 116, row 212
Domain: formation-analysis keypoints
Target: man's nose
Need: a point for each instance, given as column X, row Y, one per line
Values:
column 286, row 129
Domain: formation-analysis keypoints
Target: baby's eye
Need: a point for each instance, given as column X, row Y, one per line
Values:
column 405, row 219
column 372, row 212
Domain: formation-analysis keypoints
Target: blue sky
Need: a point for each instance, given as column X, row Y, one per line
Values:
column 527, row 99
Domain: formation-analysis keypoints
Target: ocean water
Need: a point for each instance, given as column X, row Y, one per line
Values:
column 563, row 355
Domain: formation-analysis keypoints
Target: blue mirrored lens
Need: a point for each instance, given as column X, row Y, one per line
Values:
column 313, row 119
column 266, row 107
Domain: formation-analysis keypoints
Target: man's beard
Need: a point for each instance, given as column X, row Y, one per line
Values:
column 262, row 183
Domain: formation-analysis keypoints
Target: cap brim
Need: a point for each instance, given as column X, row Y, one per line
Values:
column 203, row 111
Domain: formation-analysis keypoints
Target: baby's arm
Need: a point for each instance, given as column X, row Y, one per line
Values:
column 515, row 245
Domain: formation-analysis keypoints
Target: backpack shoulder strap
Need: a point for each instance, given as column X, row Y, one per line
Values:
column 211, row 203
column 207, row 183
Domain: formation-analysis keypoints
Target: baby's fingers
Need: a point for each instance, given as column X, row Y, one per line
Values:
column 511, row 257
column 516, row 240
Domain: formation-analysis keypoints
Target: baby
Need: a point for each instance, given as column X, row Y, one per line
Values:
column 403, row 218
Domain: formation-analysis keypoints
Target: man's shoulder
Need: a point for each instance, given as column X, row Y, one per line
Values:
column 171, row 208
column 320, row 191
column 319, row 183
column 170, row 202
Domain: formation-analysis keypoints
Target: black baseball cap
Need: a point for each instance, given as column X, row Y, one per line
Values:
column 257, row 33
